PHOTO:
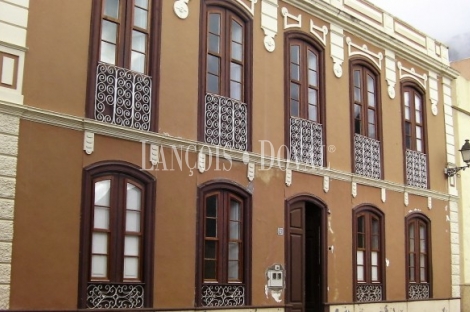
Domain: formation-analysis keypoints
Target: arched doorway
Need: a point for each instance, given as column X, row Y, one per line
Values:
column 306, row 265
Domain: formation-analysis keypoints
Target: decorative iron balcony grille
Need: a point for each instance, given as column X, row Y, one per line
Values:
column 115, row 296
column 225, row 122
column 418, row 291
column 368, row 293
column 223, row 295
column 306, row 141
column 416, row 169
column 123, row 97
column 367, row 156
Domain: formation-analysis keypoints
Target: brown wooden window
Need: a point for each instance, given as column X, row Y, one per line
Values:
column 365, row 121
column 304, row 99
column 416, row 170
column 418, row 257
column 369, row 255
column 117, row 227
column 124, row 63
column 226, row 75
column 224, row 240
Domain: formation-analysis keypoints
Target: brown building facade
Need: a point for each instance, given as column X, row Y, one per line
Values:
column 272, row 155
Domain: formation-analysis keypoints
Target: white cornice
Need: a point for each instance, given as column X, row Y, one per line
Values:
column 373, row 35
column 84, row 124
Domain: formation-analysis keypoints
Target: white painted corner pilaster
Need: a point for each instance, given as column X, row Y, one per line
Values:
column 269, row 23
column 433, row 92
column 449, row 128
column 337, row 49
column 390, row 73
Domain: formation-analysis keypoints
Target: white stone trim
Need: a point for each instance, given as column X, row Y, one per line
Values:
column 319, row 32
column 337, row 49
column 250, row 7
column 181, row 9
column 355, row 49
column 390, row 73
column 287, row 16
column 411, row 73
column 433, row 92
column 269, row 23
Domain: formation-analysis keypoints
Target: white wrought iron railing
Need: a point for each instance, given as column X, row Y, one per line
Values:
column 416, row 169
column 306, row 141
column 225, row 122
column 367, row 160
column 123, row 97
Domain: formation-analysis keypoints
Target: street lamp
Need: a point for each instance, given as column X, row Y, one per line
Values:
column 465, row 150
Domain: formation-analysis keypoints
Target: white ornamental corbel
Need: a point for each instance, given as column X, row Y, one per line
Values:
column 326, row 184
column 201, row 162
column 354, row 189
column 288, row 177
column 88, row 142
column 251, row 172
column 181, row 9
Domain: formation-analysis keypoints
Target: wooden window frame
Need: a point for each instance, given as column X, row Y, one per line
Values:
column 369, row 212
column 414, row 88
column 152, row 59
column 225, row 190
column 366, row 68
column 123, row 172
column 418, row 219
column 231, row 9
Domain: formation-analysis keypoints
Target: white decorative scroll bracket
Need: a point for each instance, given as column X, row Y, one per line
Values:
column 383, row 195
column 181, row 9
column 154, row 157
column 250, row 172
column 429, row 203
column 355, row 49
column 337, row 67
column 251, row 7
column 88, row 142
column 391, row 89
column 288, row 177
column 406, row 199
column 319, row 32
column 269, row 14
column 354, row 189
column 287, row 16
column 201, row 162
column 326, row 184
column 411, row 73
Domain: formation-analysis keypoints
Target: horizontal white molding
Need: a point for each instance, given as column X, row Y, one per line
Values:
column 85, row 124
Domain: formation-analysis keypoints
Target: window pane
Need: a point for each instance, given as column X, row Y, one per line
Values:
column 111, row 8
column 109, row 31
column 312, row 61
column 422, row 261
column 234, row 230
column 209, row 269
column 214, row 43
column 360, row 273
column 133, row 197
column 138, row 62
column 371, row 131
column 233, row 251
column 361, row 241
column 419, row 145
column 360, row 257
column 312, row 78
column 211, row 227
column 357, row 79
column 294, row 54
column 417, row 102
column 99, row 266
column 214, row 23
column 406, row 99
column 412, row 274
column 131, row 245
column 99, row 243
column 235, row 90
column 108, row 53
column 312, row 96
column 132, row 221
column 312, row 113
column 101, row 218
column 357, row 95
column 235, row 72
column 407, row 113
column 371, row 99
column 139, row 41
column 408, row 128
column 102, row 189
column 237, row 51
column 370, row 84
column 418, row 117
column 212, row 84
column 210, row 249
column 294, row 108
column 211, row 206
column 233, row 270
column 419, row 132
column 361, row 224
column 213, row 65
column 140, row 18
column 131, row 267
column 374, row 258
column 375, row 274
column 294, row 71
column 371, row 116
column 142, row 3
column 235, row 211
column 237, row 32
column 294, row 91
column 422, row 275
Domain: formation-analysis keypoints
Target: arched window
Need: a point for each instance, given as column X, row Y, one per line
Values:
column 224, row 246
column 116, row 263
column 226, row 78
column 418, row 256
column 305, row 99
column 365, row 112
column 124, row 62
column 414, row 135
column 369, row 257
